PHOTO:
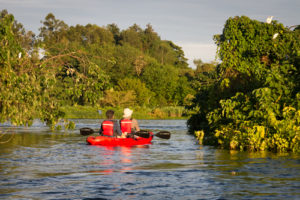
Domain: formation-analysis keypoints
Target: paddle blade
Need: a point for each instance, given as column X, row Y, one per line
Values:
column 86, row 131
column 163, row 134
column 143, row 134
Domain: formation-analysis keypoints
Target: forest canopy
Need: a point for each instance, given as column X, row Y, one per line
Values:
column 90, row 65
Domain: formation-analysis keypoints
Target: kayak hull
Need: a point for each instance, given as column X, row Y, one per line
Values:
column 108, row 141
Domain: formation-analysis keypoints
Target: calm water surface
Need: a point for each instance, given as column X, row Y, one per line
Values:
column 40, row 164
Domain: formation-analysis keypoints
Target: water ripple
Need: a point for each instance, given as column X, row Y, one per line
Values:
column 42, row 164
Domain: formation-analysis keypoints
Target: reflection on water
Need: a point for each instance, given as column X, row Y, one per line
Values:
column 40, row 164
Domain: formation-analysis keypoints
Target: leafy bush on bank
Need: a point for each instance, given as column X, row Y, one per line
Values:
column 253, row 104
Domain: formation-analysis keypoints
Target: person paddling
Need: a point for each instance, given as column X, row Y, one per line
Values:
column 127, row 124
column 110, row 127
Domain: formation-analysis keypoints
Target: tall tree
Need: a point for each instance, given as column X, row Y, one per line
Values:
column 27, row 86
column 52, row 29
column 114, row 29
column 254, row 105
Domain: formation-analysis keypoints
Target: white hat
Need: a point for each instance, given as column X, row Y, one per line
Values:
column 127, row 112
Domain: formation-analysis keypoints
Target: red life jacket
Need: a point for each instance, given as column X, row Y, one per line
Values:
column 126, row 125
column 108, row 128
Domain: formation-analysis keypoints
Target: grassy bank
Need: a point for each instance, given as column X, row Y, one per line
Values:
column 89, row 112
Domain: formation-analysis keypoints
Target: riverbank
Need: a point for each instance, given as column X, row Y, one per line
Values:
column 90, row 112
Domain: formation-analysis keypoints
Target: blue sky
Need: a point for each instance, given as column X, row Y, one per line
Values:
column 190, row 24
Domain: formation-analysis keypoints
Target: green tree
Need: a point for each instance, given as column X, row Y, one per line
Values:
column 119, row 98
column 52, row 29
column 114, row 29
column 162, row 80
column 254, row 104
column 82, row 65
column 25, row 38
column 80, row 79
column 142, row 93
column 132, row 36
column 125, row 58
column 26, row 90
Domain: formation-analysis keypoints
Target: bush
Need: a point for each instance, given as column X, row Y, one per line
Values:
column 254, row 105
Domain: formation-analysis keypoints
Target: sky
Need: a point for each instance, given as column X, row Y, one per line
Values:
column 191, row 24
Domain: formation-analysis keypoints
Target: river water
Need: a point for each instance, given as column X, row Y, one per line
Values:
column 39, row 164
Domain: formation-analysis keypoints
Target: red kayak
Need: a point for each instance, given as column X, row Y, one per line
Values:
column 109, row 141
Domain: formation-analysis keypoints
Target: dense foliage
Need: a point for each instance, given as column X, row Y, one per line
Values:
column 253, row 99
column 122, row 68
column 27, row 88
column 86, row 65
column 250, row 101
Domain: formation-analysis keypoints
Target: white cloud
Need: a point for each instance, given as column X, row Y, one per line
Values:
column 205, row 52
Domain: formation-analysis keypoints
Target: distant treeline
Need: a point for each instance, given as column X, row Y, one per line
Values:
column 89, row 65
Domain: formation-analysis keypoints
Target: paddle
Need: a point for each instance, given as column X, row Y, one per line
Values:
column 163, row 134
column 141, row 133
column 160, row 134
column 86, row 131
